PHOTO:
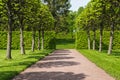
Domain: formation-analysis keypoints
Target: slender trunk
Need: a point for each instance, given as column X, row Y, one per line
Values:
column 111, row 39
column 88, row 33
column 94, row 39
column 9, row 39
column 33, row 40
column 9, row 43
column 55, row 26
column 21, row 35
column 42, row 43
column 100, row 43
column 38, row 39
column 22, row 41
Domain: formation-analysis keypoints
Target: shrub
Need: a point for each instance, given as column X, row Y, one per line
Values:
column 81, row 40
column 64, row 35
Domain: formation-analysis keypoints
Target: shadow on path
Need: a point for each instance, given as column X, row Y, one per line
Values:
column 62, row 51
column 58, row 54
column 51, row 76
column 55, row 64
column 56, row 58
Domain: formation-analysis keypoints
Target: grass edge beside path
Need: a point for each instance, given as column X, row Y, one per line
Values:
column 109, row 63
column 11, row 68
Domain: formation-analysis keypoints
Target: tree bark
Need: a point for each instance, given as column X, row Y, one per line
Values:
column 21, row 35
column 94, row 39
column 9, row 39
column 38, row 39
column 33, row 40
column 88, row 33
column 100, row 43
column 9, row 43
column 101, row 35
column 22, row 41
column 111, row 39
column 42, row 43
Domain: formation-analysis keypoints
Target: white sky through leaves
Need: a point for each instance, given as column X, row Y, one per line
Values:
column 77, row 3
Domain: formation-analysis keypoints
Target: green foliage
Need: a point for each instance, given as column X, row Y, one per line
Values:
column 65, row 41
column 10, row 68
column 64, row 35
column 108, row 63
column 81, row 40
column 49, row 40
column 116, row 43
column 59, row 10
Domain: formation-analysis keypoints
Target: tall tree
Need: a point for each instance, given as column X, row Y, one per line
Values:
column 46, row 22
column 8, row 9
column 58, row 7
column 113, row 12
column 21, row 8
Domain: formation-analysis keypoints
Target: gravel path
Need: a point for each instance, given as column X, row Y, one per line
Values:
column 64, row 65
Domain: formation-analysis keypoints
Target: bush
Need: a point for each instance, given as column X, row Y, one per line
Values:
column 81, row 40
column 49, row 41
column 64, row 35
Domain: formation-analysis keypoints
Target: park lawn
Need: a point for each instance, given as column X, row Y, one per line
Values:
column 65, row 43
column 109, row 63
column 10, row 68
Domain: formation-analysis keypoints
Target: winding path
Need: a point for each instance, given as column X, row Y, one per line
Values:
column 64, row 65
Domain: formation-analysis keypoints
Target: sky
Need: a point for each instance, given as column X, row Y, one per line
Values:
column 78, row 3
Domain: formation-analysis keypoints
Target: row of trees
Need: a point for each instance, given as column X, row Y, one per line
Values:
column 100, row 15
column 32, row 15
column 21, row 14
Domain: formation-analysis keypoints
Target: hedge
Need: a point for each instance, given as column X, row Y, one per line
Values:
column 81, row 40
column 63, row 35
column 49, row 41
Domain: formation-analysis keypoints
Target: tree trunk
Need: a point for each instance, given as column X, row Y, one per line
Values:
column 94, row 39
column 55, row 26
column 9, row 43
column 21, row 18
column 42, row 43
column 38, row 39
column 88, row 33
column 100, row 43
column 9, row 39
column 33, row 40
column 22, row 41
column 111, row 39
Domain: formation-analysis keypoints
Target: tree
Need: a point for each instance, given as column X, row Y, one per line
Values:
column 46, row 22
column 8, row 9
column 113, row 12
column 34, row 21
column 20, row 11
column 57, row 8
column 83, row 23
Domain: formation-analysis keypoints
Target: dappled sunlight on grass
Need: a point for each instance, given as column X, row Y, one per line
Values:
column 10, row 68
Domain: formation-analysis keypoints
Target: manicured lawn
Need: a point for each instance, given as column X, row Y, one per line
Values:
column 65, row 43
column 10, row 68
column 110, row 63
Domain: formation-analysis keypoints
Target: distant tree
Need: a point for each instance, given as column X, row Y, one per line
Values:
column 46, row 22
column 57, row 8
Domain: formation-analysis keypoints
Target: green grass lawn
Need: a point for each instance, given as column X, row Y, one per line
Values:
column 10, row 68
column 110, row 63
column 65, row 43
